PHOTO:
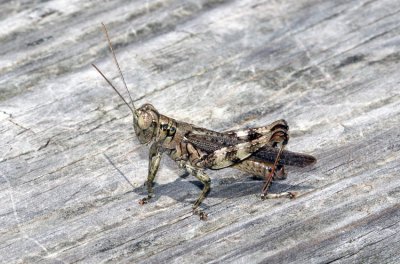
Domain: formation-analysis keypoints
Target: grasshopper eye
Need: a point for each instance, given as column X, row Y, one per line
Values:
column 144, row 120
column 171, row 131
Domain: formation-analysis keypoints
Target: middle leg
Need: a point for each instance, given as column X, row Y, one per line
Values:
column 205, row 179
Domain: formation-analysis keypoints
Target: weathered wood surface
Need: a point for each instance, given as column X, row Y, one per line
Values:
column 71, row 169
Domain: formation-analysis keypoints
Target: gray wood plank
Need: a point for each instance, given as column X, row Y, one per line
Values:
column 72, row 170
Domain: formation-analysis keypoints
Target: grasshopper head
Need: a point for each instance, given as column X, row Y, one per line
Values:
column 145, row 123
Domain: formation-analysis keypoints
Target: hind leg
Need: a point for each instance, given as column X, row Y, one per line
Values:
column 235, row 154
column 262, row 169
column 252, row 133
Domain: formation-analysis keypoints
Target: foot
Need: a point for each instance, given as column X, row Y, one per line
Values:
column 280, row 173
column 144, row 200
column 203, row 216
column 290, row 195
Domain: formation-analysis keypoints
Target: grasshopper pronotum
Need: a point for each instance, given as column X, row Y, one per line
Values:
column 259, row 151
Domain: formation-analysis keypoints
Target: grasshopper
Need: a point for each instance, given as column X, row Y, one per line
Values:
column 259, row 151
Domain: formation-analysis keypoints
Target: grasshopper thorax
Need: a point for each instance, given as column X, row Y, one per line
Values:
column 145, row 123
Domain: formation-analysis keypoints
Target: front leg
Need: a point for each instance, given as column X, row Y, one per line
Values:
column 155, row 154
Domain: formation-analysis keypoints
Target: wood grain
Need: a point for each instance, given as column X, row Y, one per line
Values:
column 72, row 171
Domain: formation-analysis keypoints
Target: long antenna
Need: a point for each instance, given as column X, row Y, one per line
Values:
column 116, row 63
column 115, row 89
